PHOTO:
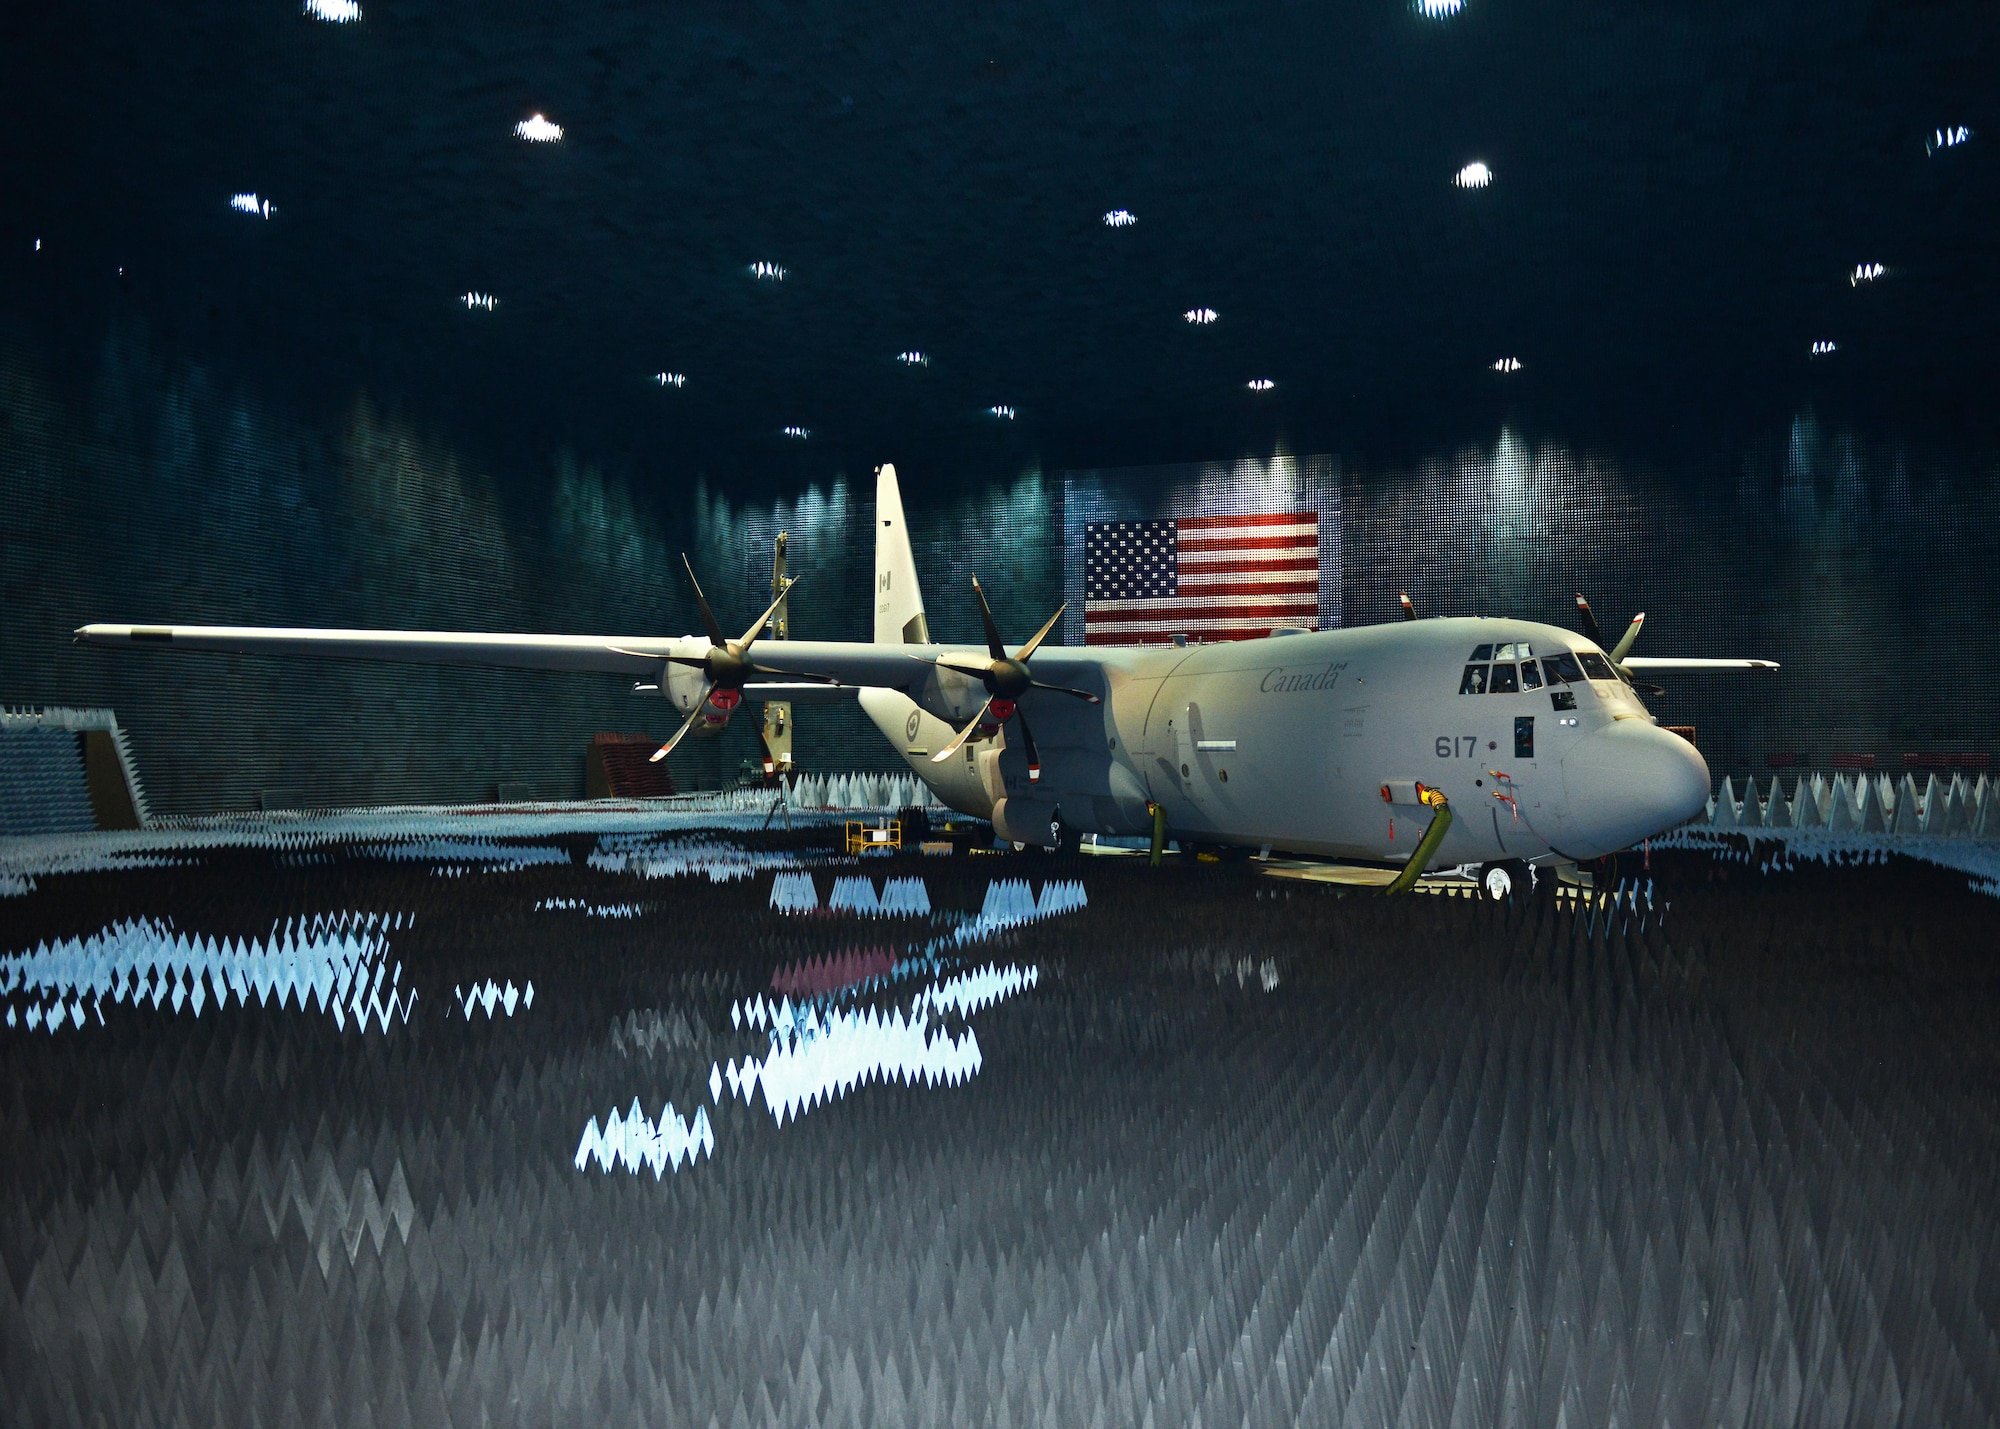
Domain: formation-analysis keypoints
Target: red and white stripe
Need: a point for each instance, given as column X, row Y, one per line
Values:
column 1239, row 576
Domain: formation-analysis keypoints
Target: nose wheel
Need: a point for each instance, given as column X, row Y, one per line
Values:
column 1503, row 878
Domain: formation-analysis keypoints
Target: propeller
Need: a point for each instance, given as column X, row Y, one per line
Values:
column 727, row 664
column 1409, row 606
column 1617, row 653
column 1006, row 678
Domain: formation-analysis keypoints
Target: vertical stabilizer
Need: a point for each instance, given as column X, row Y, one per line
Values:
column 899, row 604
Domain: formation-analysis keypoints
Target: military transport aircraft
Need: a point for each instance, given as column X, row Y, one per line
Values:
column 1425, row 743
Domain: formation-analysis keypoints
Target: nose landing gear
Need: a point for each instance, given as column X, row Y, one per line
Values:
column 1503, row 878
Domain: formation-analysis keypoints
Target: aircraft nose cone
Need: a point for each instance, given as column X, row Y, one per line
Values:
column 1628, row 782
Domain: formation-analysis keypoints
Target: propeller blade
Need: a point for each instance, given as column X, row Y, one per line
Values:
column 715, row 635
column 964, row 664
column 994, row 646
column 1409, row 606
column 1028, row 746
column 750, row 635
column 687, row 724
column 701, row 664
column 1590, row 629
column 1624, row 646
column 1084, row 695
column 1040, row 635
column 958, row 740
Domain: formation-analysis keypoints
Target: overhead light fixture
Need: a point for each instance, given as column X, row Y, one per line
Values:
column 537, row 130
column 1200, row 317
column 671, row 379
column 1823, row 348
column 798, row 434
column 1947, row 138
column 1507, row 364
column 1865, row 273
column 1004, row 412
column 1474, row 175
column 334, row 12
column 914, row 359
column 1260, row 384
column 1119, row 218
column 252, row 205
column 479, row 300
column 768, row 272
column 1439, row 9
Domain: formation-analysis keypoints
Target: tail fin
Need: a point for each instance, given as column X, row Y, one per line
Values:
column 899, row 604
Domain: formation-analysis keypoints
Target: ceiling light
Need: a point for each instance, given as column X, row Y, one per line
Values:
column 1200, row 317
column 1947, row 138
column 1439, row 9
column 537, row 130
column 334, row 12
column 1004, row 412
column 1474, row 175
column 251, row 204
column 1119, row 218
column 1260, row 384
column 671, row 379
column 1865, row 273
column 479, row 300
column 1507, row 364
column 1823, row 347
column 768, row 272
column 797, row 434
column 914, row 359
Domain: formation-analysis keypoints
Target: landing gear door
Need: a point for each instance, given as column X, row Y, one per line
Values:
column 1190, row 762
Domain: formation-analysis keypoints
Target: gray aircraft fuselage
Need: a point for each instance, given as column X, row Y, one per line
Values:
column 1316, row 742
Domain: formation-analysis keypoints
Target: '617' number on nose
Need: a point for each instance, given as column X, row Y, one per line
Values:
column 1462, row 746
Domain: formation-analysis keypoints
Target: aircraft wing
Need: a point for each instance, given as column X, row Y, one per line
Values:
column 850, row 663
column 606, row 654
column 1669, row 662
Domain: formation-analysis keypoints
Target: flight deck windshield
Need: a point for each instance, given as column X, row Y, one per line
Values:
column 1562, row 669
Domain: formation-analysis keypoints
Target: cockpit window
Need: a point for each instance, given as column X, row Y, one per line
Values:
column 1520, row 650
column 1473, row 682
column 1531, row 675
column 1596, row 666
column 1482, row 652
column 1502, row 682
column 1562, row 669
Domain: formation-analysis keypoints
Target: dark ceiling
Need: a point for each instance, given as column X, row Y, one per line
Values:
column 1680, row 194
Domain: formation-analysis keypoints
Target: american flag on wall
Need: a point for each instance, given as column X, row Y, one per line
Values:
column 1221, row 577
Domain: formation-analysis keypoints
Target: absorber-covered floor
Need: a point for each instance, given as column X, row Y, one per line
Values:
column 1208, row 1149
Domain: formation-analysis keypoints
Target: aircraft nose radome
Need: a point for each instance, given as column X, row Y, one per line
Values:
column 1629, row 782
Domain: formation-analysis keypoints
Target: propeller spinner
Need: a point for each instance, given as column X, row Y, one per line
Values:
column 1006, row 678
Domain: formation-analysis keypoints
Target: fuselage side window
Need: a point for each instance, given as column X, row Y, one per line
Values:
column 1531, row 675
column 1502, row 681
column 1473, row 682
column 1596, row 666
column 1562, row 669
